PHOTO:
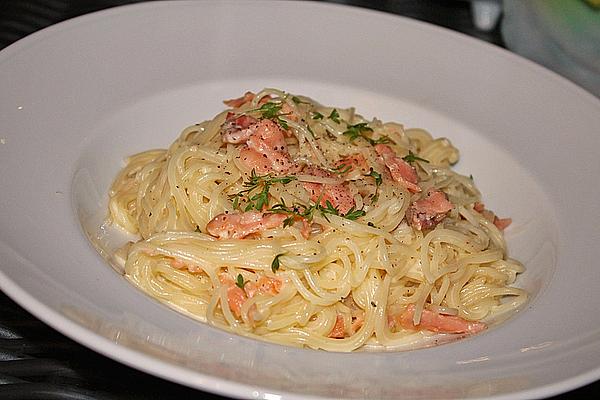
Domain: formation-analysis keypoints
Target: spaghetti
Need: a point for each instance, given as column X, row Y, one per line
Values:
column 288, row 221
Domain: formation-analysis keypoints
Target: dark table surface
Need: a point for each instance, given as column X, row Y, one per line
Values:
column 37, row 362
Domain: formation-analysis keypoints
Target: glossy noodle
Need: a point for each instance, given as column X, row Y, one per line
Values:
column 305, row 225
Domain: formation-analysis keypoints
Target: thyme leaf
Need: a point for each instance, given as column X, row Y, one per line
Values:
column 258, row 200
column 412, row 157
column 298, row 100
column 356, row 131
column 382, row 140
column 334, row 116
column 275, row 263
column 239, row 282
column 353, row 214
column 269, row 110
column 378, row 181
column 328, row 209
column 376, row 175
column 341, row 169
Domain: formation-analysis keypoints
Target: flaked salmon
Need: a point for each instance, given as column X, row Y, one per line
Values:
column 435, row 322
column 237, row 129
column 429, row 211
column 401, row 171
column 236, row 296
column 338, row 330
column 352, row 162
column 339, row 196
column 240, row 101
column 240, row 225
column 265, row 150
column 501, row 223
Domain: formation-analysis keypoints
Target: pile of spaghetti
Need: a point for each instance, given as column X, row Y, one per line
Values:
column 288, row 221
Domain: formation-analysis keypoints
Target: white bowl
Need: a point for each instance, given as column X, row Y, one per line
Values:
column 78, row 97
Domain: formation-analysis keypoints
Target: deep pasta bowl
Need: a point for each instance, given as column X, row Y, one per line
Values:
column 80, row 96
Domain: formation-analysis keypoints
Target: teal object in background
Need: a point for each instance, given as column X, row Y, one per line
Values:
column 563, row 35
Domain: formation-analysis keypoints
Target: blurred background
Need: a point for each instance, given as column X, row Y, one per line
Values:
column 562, row 35
column 37, row 362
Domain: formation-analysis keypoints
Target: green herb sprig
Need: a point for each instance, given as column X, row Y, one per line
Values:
column 381, row 140
column 269, row 110
column 239, row 282
column 263, row 183
column 412, row 157
column 360, row 130
column 307, row 212
column 378, row 181
column 334, row 116
column 275, row 263
column 298, row 100
column 341, row 169
column 353, row 214
column 328, row 209
column 296, row 211
column 272, row 111
column 356, row 131
column 377, row 176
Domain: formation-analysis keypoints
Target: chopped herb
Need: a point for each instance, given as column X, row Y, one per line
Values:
column 294, row 212
column 356, row 131
column 261, row 199
column 382, row 140
column 471, row 177
column 275, row 263
column 289, row 221
column 297, row 100
column 412, row 157
column 307, row 212
column 353, row 214
column 378, row 181
column 317, row 115
column 269, row 110
column 334, row 116
column 311, row 131
column 328, row 209
column 282, row 208
column 377, row 176
column 341, row 169
column 255, row 180
column 283, row 123
column 239, row 282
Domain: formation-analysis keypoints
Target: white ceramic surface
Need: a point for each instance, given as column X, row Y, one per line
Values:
column 78, row 97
